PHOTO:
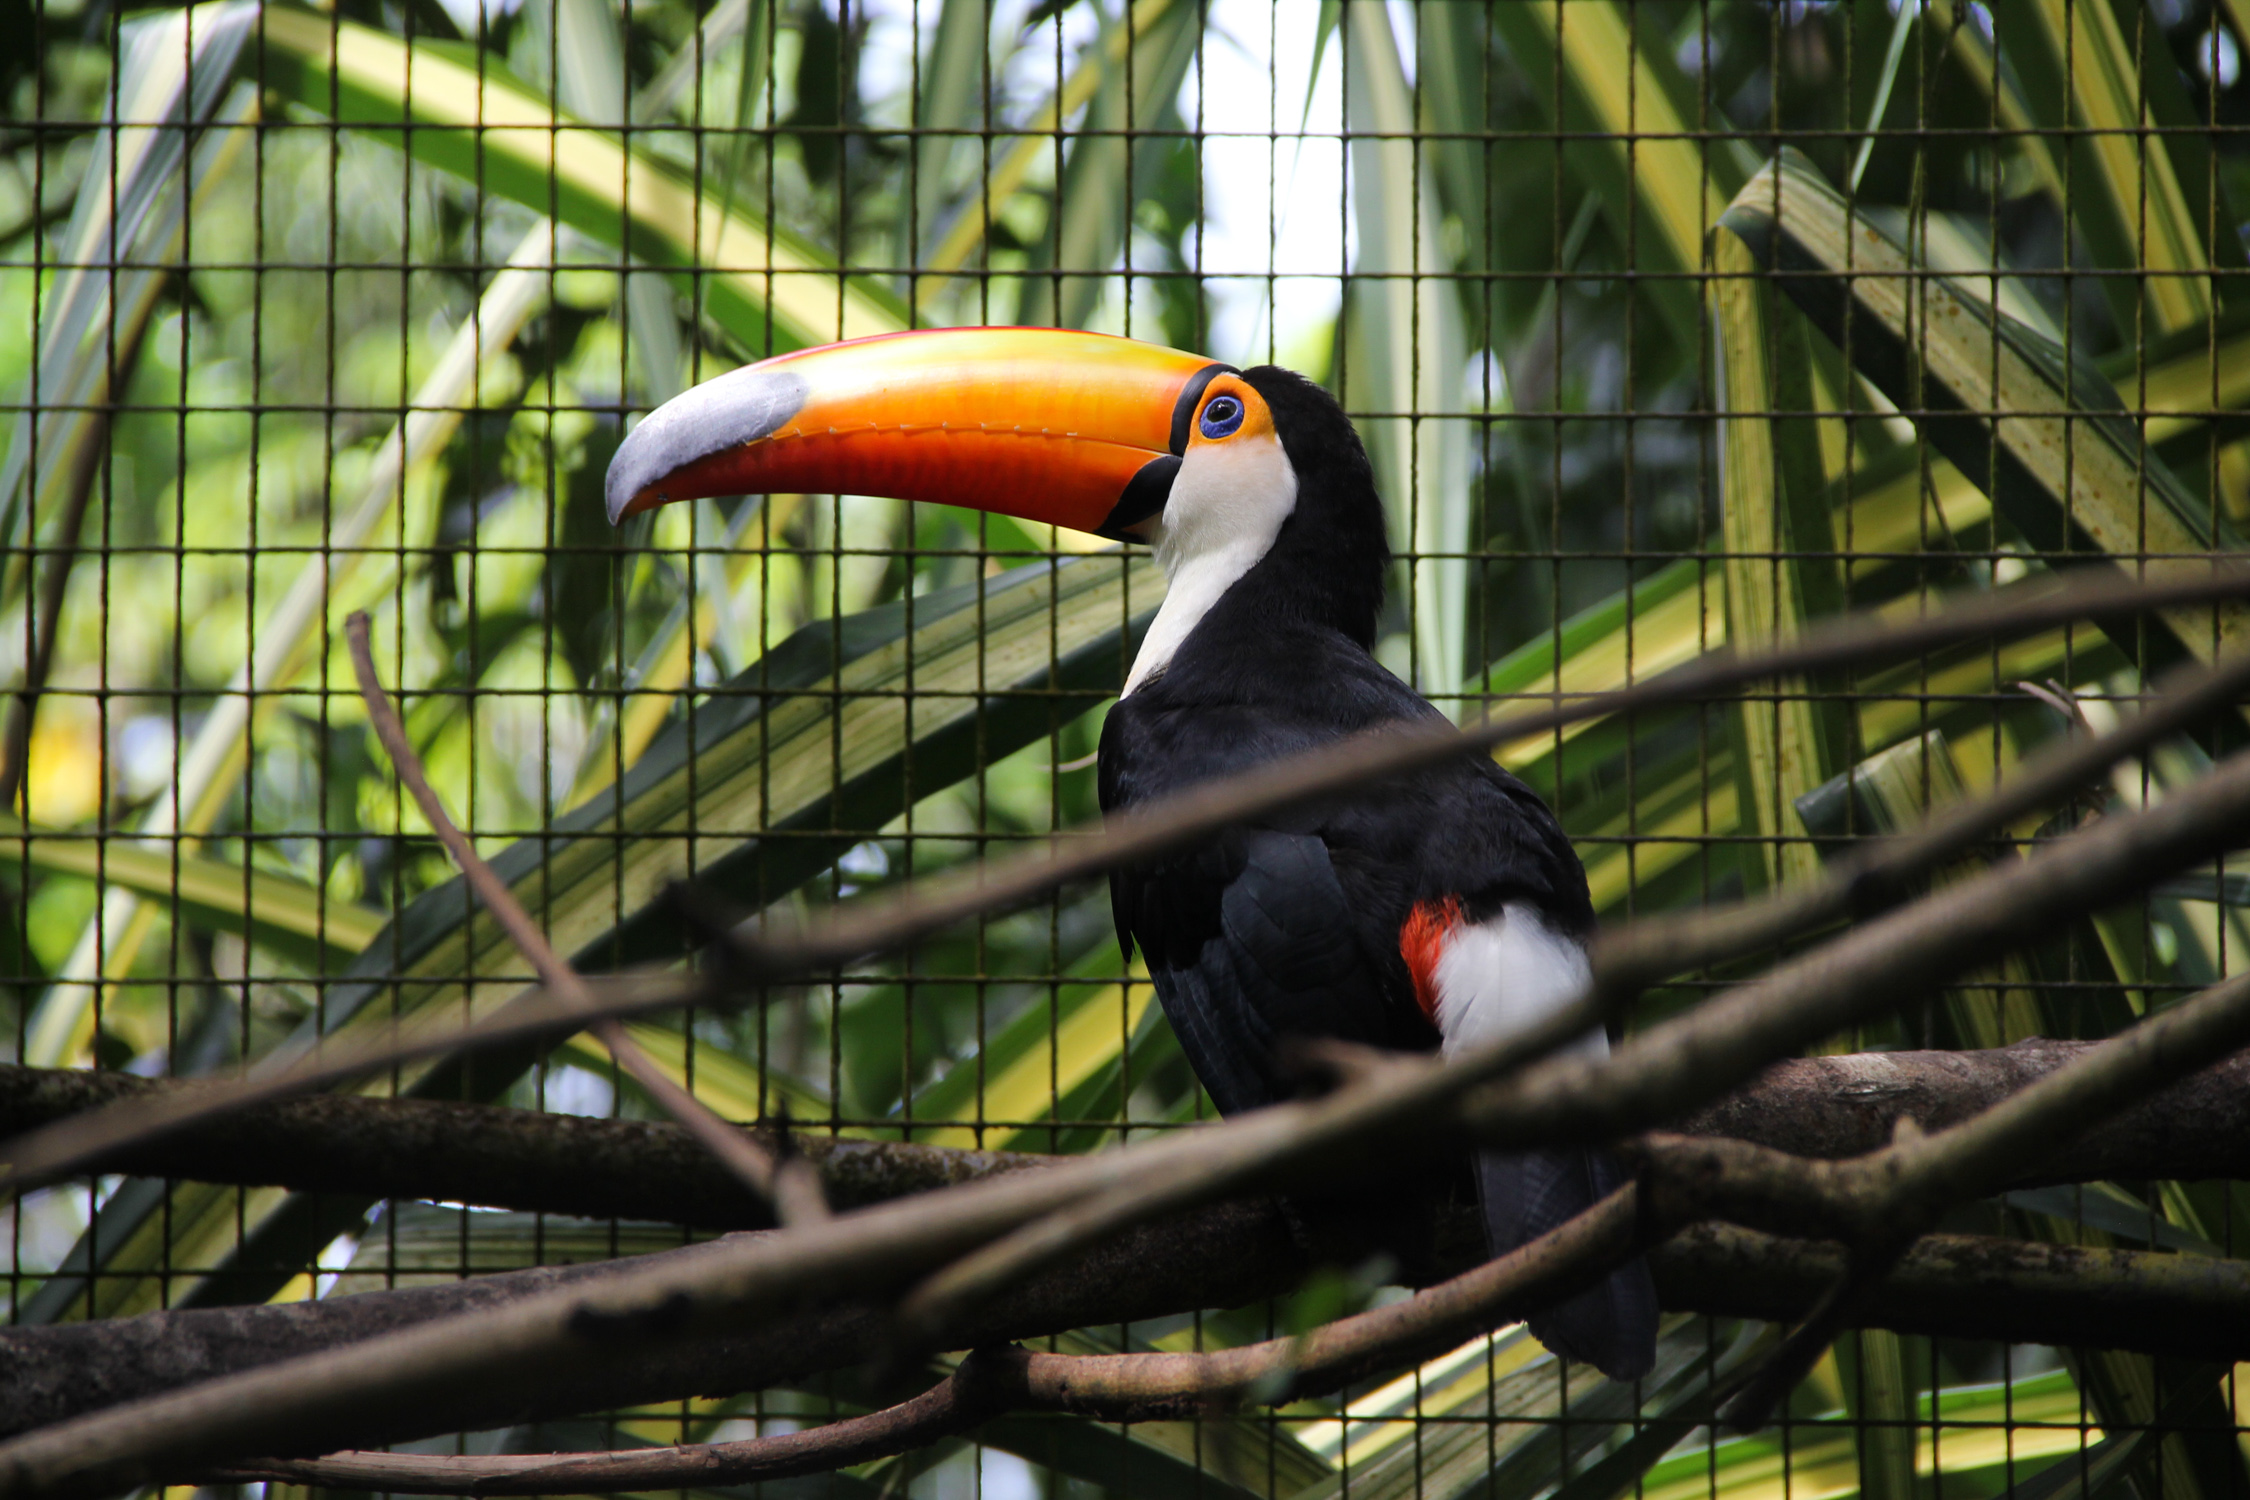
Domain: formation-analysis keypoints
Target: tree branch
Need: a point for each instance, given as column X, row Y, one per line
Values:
column 549, row 1339
column 1880, row 873
column 1876, row 1204
column 952, row 1406
column 498, row 1157
column 879, row 926
column 1949, row 1285
column 486, row 1154
column 1118, row 1388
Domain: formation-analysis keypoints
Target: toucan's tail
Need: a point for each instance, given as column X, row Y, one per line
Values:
column 1611, row 1326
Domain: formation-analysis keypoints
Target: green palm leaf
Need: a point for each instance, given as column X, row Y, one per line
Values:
column 174, row 74
column 1404, row 350
column 2047, row 440
column 473, row 119
column 287, row 917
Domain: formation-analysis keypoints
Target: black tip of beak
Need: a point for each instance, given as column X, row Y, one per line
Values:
column 1144, row 497
column 736, row 408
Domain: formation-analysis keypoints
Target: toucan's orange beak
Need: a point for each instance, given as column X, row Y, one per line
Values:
column 1049, row 424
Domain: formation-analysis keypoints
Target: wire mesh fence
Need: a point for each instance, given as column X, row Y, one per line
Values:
column 1669, row 325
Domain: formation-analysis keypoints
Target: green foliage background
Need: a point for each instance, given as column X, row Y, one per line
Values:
column 303, row 310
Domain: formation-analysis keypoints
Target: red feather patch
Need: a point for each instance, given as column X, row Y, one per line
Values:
column 1421, row 942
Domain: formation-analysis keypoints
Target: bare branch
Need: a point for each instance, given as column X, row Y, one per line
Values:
column 538, row 1016
column 784, row 1181
column 1969, row 1287
column 1848, row 641
column 952, row 1406
column 1669, row 1069
column 1877, row 966
column 878, row 926
column 1118, row 1388
column 1881, row 873
column 498, row 1157
column 1878, row 1204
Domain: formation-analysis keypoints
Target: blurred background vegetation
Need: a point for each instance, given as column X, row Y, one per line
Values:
column 309, row 309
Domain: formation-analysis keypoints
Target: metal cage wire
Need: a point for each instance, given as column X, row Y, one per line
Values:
column 319, row 308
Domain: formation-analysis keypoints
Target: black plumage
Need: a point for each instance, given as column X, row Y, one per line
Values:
column 1293, row 925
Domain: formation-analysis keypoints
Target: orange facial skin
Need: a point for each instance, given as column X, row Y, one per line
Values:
column 1047, row 424
column 1256, row 421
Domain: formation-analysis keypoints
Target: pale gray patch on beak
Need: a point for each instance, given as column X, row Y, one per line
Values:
column 736, row 408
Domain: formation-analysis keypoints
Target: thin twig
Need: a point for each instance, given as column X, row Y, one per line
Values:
column 54, row 584
column 794, row 1190
column 1854, row 640
column 884, row 924
column 1881, row 873
column 948, row 1408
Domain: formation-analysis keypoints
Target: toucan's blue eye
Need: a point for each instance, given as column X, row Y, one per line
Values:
column 1221, row 416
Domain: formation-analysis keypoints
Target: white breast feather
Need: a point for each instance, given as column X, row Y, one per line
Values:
column 1227, row 505
column 1499, row 976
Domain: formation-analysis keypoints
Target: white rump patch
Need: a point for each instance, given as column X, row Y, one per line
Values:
column 1506, row 974
column 1227, row 505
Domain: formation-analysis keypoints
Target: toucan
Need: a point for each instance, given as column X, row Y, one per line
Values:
column 1433, row 911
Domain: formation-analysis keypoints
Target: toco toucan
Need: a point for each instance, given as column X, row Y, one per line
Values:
column 1431, row 911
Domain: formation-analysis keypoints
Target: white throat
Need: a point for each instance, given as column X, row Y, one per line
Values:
column 1227, row 505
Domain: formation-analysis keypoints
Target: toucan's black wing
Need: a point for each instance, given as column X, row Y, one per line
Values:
column 1286, row 927
column 1249, row 939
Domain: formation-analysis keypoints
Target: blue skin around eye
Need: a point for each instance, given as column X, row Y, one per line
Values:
column 1221, row 417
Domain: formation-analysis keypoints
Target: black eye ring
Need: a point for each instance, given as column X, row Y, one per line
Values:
column 1222, row 416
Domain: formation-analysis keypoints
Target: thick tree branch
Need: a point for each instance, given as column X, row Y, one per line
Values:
column 1974, row 1287
column 879, row 926
column 485, row 1154
column 1879, row 1203
column 1901, row 1189
column 498, row 1157
column 1951, row 1285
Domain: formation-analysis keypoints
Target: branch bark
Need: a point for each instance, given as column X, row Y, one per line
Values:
column 951, row 1406
column 1119, row 1388
column 496, row 1157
